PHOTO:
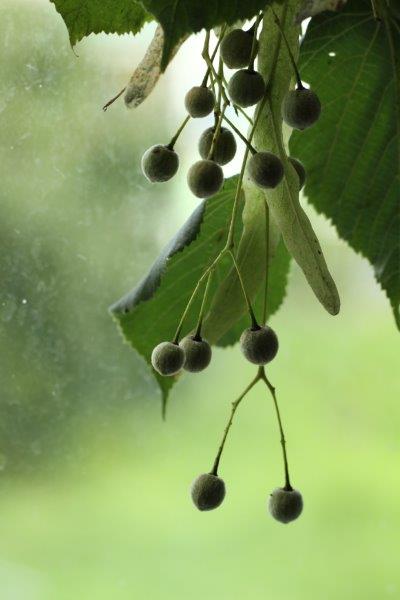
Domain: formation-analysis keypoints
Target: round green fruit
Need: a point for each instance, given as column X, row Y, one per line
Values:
column 285, row 505
column 236, row 48
column 168, row 358
column 246, row 88
column 205, row 178
column 265, row 169
column 259, row 346
column 199, row 101
column 159, row 163
column 301, row 108
column 208, row 491
column 224, row 148
column 197, row 353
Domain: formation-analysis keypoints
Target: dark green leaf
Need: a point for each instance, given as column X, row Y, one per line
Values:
column 181, row 17
column 352, row 156
column 83, row 17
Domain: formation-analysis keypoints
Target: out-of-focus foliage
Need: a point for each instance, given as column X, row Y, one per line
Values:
column 94, row 500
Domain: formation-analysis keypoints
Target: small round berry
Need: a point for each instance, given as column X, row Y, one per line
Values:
column 236, row 48
column 301, row 108
column 246, row 88
column 300, row 170
column 208, row 491
column 224, row 148
column 199, row 101
column 285, row 505
column 260, row 345
column 205, row 178
column 159, row 163
column 197, row 353
column 168, row 358
column 265, row 169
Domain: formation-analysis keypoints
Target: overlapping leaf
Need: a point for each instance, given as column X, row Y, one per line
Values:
column 353, row 156
column 181, row 17
column 83, row 17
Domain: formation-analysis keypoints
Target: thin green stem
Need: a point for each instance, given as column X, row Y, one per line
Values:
column 235, row 405
column 282, row 435
column 254, row 44
column 267, row 223
column 178, row 133
column 209, row 269
column 254, row 323
column 240, row 134
column 197, row 335
column 294, row 65
column 216, row 133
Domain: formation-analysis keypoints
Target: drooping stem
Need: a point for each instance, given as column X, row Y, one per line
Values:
column 235, row 405
column 197, row 335
column 216, row 133
column 283, row 440
column 254, row 29
column 267, row 222
column 294, row 65
column 240, row 134
column 178, row 133
column 254, row 323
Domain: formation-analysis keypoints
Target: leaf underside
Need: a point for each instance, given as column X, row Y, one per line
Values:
column 353, row 157
column 83, row 17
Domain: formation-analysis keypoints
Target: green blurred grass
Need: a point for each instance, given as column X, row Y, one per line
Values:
column 94, row 500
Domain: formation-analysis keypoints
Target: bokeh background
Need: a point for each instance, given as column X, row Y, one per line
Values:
column 94, row 499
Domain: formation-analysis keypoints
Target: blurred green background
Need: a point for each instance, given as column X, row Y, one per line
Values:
column 94, row 499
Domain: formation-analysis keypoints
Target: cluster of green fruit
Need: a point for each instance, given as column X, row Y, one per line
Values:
column 258, row 344
column 208, row 492
column 217, row 145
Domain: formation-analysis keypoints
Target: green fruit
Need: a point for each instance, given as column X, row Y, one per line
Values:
column 197, row 353
column 246, row 88
column 265, row 169
column 208, row 491
column 199, row 101
column 260, row 345
column 300, row 170
column 205, row 178
column 224, row 148
column 236, row 48
column 159, row 163
column 285, row 505
column 167, row 358
column 301, row 108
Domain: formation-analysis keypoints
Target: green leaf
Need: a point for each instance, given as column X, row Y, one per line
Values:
column 181, row 17
column 352, row 156
column 151, row 312
column 83, row 17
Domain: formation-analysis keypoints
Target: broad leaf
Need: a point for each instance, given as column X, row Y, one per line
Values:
column 181, row 17
column 83, row 17
column 352, row 156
